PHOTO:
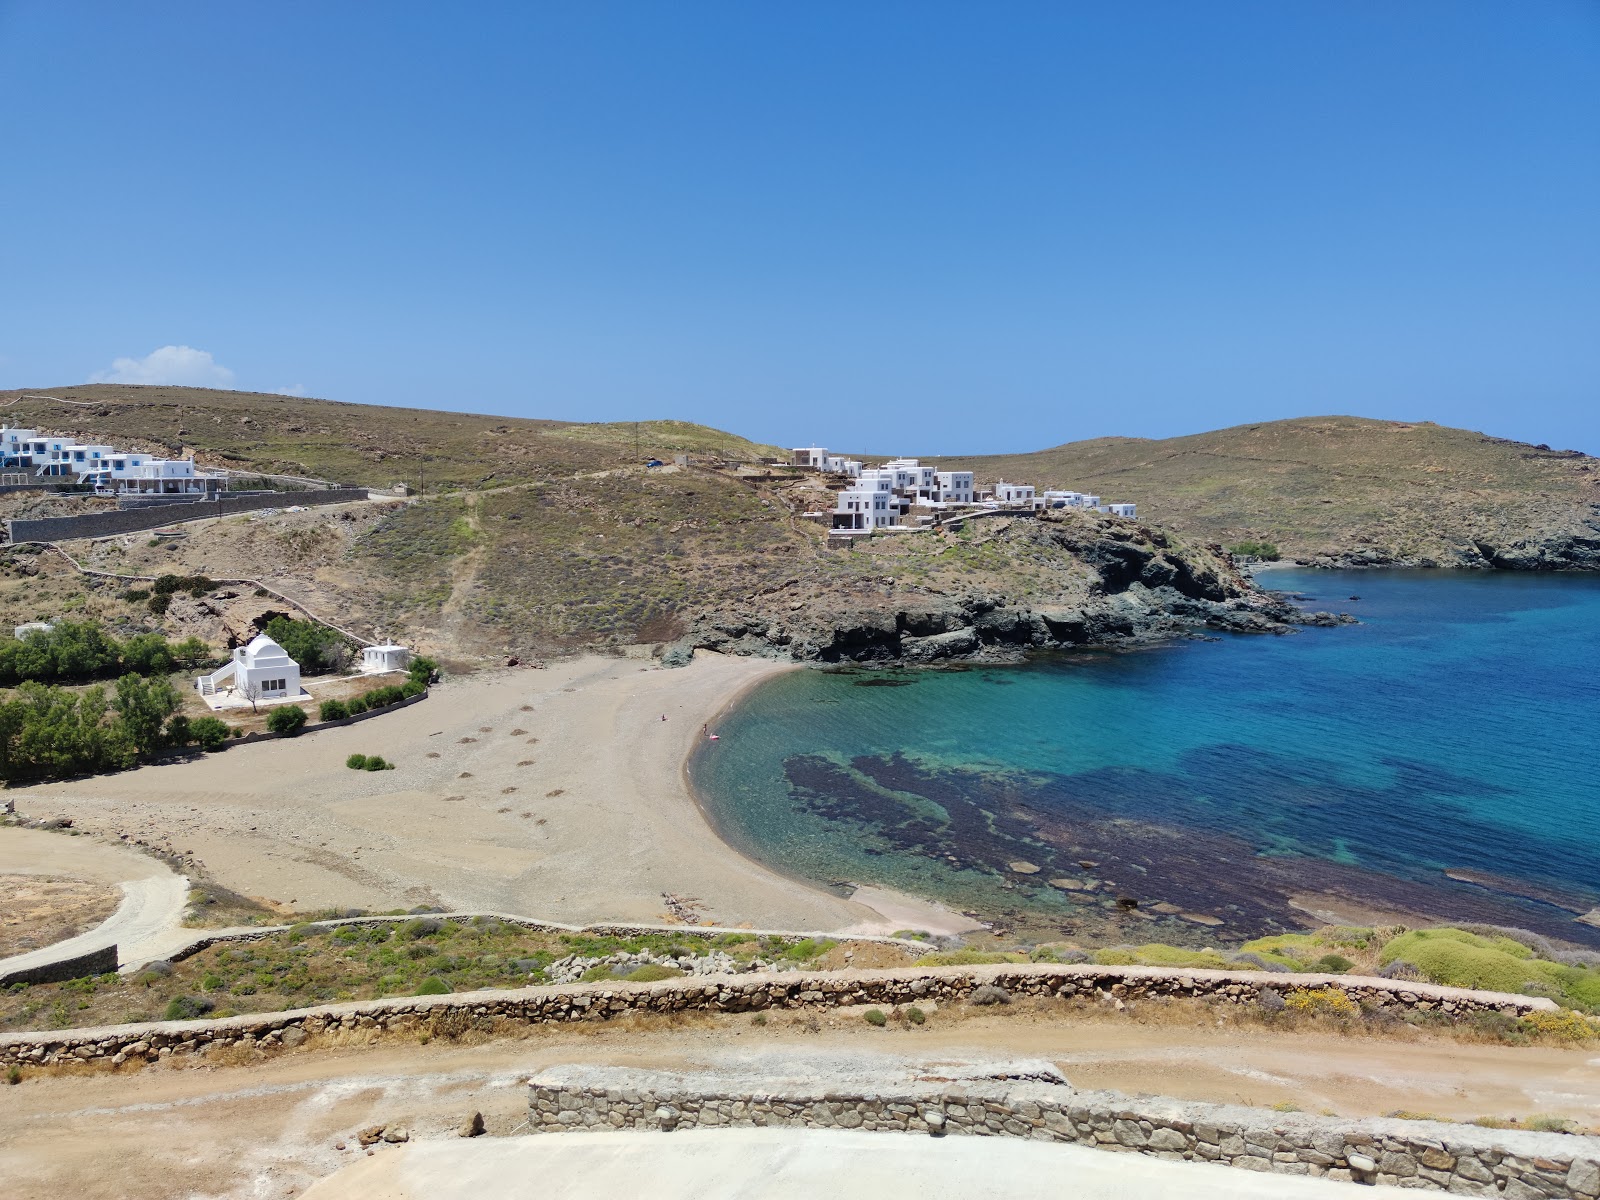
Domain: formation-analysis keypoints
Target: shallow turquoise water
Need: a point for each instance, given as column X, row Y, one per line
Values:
column 1454, row 729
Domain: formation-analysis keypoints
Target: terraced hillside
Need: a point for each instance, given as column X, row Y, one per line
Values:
column 1344, row 489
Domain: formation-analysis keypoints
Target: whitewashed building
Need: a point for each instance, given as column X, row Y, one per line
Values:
column 261, row 672
column 955, row 487
column 380, row 660
column 107, row 469
column 1013, row 495
column 818, row 459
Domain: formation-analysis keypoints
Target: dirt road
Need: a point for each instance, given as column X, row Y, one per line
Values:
column 153, row 896
column 261, row 1130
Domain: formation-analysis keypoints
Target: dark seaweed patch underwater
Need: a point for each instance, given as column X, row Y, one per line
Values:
column 1250, row 781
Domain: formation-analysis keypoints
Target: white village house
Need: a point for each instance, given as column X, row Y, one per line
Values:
column 881, row 497
column 380, row 660
column 108, row 470
column 261, row 673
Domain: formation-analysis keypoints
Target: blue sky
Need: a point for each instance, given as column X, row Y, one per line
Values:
column 913, row 226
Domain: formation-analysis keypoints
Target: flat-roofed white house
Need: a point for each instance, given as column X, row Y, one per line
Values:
column 869, row 503
column 954, row 487
column 1018, row 495
column 261, row 673
column 380, row 660
column 1119, row 510
column 106, row 468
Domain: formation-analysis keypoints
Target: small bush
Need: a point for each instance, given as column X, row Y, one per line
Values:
column 1564, row 1024
column 287, row 721
column 354, row 706
column 159, row 603
column 650, row 973
column 1334, row 964
column 376, row 762
column 875, row 1016
column 210, row 732
column 1545, row 1123
column 13, row 1074
column 332, row 710
column 433, row 986
column 187, row 1008
column 1330, row 1000
column 356, row 762
column 916, row 1016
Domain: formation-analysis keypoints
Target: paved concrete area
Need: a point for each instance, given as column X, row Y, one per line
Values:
column 733, row 1164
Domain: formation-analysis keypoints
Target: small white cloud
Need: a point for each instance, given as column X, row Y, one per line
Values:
column 183, row 365
column 298, row 389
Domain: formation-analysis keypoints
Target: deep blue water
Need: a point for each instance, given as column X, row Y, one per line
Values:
column 1455, row 729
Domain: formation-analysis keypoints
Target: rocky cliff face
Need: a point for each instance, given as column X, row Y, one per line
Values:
column 1057, row 581
column 1571, row 549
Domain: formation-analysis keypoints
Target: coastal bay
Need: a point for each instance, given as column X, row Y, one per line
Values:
column 1431, row 762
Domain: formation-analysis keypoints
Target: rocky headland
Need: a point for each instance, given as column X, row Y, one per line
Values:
column 1085, row 581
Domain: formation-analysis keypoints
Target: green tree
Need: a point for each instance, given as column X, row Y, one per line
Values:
column 210, row 732
column 179, row 730
column 287, row 721
column 147, row 654
column 191, row 653
column 315, row 647
column 143, row 706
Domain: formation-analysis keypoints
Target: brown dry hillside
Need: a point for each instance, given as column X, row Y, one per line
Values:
column 1345, row 488
column 355, row 443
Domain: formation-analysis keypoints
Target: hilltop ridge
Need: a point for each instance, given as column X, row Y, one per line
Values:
column 1338, row 490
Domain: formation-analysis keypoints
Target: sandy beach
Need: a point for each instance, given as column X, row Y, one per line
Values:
column 555, row 793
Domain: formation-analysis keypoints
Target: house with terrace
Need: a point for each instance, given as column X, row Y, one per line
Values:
column 108, row 470
column 258, row 673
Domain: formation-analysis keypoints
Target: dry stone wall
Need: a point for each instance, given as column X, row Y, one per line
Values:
column 1464, row 1159
column 492, row 1010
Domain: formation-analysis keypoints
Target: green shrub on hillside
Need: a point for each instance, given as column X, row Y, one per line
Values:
column 356, row 762
column 332, row 710
column 1499, row 964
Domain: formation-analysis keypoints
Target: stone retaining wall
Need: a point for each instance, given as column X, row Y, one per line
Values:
column 1465, row 1159
column 797, row 990
column 135, row 520
column 95, row 962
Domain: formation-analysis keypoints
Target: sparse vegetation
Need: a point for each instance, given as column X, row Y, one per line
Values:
column 1265, row 551
column 315, row 963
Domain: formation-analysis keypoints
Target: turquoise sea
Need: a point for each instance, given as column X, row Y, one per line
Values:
column 1456, row 729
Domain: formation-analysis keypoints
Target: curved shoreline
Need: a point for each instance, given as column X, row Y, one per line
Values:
column 896, row 909
column 559, row 792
